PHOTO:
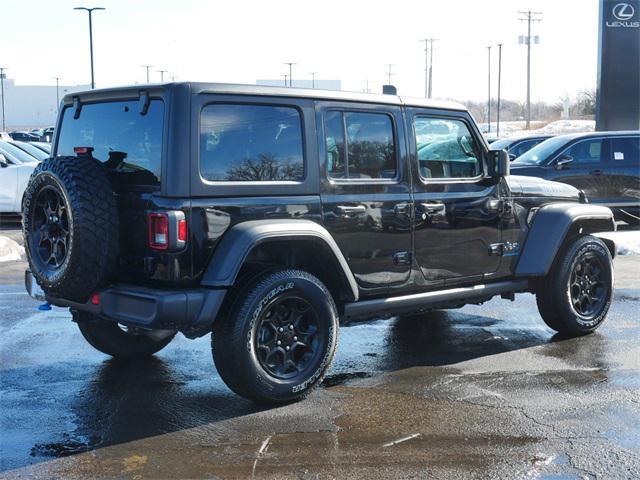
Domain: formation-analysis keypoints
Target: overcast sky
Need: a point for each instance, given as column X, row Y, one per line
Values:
column 350, row 40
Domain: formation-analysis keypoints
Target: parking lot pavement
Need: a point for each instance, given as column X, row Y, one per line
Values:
column 484, row 391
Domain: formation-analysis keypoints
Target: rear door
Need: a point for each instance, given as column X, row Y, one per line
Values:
column 365, row 189
column 587, row 170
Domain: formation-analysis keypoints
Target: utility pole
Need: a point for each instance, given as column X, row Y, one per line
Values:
column 313, row 79
column 489, row 87
column 431, row 40
column 389, row 73
column 2, row 74
column 57, row 79
column 529, row 17
column 147, row 67
column 291, row 64
column 426, row 67
column 90, row 10
column 499, row 80
column 162, row 72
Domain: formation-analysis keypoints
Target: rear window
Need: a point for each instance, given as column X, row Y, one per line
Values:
column 244, row 143
column 127, row 142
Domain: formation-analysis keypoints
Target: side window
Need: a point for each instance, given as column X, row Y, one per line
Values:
column 586, row 151
column 446, row 149
column 243, row 143
column 626, row 149
column 360, row 145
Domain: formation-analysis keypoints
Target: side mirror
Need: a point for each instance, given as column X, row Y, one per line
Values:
column 563, row 160
column 498, row 163
column 4, row 163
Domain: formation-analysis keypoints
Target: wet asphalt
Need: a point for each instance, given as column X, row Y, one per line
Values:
column 480, row 392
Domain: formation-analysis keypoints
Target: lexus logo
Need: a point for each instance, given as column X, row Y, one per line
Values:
column 623, row 11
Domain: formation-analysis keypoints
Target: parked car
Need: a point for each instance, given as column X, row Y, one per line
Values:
column 47, row 134
column 605, row 165
column 24, row 136
column 16, row 167
column 266, row 228
column 30, row 149
column 5, row 136
column 518, row 145
column 45, row 147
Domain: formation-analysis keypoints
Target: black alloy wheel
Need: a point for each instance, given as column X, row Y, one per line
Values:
column 49, row 228
column 586, row 285
column 288, row 339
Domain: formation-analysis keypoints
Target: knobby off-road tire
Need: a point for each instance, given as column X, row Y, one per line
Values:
column 577, row 293
column 119, row 342
column 70, row 226
column 276, row 339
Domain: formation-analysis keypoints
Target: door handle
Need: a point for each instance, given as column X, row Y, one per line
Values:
column 347, row 210
column 433, row 208
column 596, row 172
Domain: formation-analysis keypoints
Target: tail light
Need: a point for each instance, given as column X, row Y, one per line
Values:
column 167, row 230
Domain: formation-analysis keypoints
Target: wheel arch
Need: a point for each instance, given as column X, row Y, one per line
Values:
column 556, row 224
column 288, row 243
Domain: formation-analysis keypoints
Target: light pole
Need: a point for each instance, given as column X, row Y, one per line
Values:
column 162, row 72
column 313, row 79
column 489, row 87
column 389, row 73
column 57, row 92
column 2, row 69
column 147, row 67
column 90, row 10
column 285, row 79
column 529, row 17
column 291, row 64
column 499, row 80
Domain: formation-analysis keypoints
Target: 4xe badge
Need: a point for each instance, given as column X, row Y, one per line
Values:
column 624, row 16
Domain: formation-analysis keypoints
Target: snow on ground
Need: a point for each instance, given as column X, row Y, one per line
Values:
column 10, row 251
column 559, row 127
column 627, row 242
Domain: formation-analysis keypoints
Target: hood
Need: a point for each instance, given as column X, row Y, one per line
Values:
column 522, row 186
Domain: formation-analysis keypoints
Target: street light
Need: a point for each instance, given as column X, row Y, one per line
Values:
column 2, row 69
column 291, row 64
column 57, row 79
column 90, row 10
column 313, row 79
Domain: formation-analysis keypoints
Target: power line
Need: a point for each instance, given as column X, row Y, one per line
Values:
column 529, row 17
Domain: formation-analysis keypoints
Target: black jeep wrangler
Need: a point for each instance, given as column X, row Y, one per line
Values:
column 266, row 215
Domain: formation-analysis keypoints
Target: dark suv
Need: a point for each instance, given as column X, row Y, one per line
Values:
column 605, row 165
column 265, row 215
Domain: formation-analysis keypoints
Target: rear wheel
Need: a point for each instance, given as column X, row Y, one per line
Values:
column 277, row 338
column 118, row 340
column 577, row 293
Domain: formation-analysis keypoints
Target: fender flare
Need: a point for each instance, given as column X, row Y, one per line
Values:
column 549, row 229
column 239, row 240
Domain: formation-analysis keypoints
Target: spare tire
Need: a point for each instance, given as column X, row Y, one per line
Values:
column 70, row 227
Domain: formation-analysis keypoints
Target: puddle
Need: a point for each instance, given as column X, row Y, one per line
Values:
column 69, row 446
column 341, row 378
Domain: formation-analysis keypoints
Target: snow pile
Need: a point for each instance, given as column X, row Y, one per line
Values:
column 10, row 251
column 567, row 126
column 627, row 243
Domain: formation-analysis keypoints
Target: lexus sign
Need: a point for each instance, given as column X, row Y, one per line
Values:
column 624, row 16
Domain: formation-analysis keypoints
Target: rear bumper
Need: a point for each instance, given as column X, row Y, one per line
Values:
column 191, row 312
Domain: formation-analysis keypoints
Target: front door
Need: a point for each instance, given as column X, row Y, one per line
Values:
column 586, row 170
column 457, row 210
column 366, row 194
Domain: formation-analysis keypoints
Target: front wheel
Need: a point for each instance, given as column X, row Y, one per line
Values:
column 577, row 293
column 277, row 339
column 119, row 341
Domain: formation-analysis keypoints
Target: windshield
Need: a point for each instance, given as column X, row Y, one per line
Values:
column 31, row 150
column 127, row 142
column 539, row 154
column 502, row 144
column 15, row 154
